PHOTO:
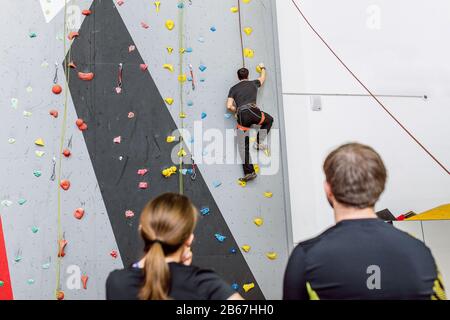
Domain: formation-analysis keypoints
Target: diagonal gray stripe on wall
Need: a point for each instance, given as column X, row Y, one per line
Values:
column 102, row 45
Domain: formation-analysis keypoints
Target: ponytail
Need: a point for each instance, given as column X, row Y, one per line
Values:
column 157, row 276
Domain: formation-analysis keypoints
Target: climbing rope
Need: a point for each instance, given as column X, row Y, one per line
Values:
column 369, row 91
column 61, row 147
column 181, row 83
column 240, row 32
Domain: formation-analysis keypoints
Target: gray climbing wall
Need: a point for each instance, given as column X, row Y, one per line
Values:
column 26, row 78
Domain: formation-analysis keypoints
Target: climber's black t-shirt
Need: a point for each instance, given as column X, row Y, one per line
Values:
column 187, row 283
column 362, row 259
column 245, row 92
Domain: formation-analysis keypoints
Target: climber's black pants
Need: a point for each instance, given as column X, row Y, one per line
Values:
column 247, row 116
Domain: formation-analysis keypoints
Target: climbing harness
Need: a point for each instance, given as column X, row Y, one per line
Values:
column 368, row 90
column 248, row 108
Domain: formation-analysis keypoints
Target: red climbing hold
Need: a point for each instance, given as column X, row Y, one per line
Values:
column 60, row 295
column 73, row 35
column 84, row 280
column 114, row 254
column 81, row 124
column 130, row 115
column 56, row 89
column 79, row 213
column 62, row 245
column 72, row 65
column 86, row 12
column 66, row 153
column 86, row 76
column 54, row 113
column 143, row 185
column 65, row 184
column 143, row 66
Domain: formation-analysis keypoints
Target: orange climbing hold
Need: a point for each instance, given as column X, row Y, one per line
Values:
column 86, row 76
column 67, row 153
column 79, row 213
column 81, row 124
column 65, row 184
column 56, row 89
column 73, row 35
column 86, row 12
column 62, row 245
column 84, row 280
column 54, row 113
column 60, row 295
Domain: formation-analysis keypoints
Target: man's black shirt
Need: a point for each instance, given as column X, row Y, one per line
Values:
column 362, row 259
column 186, row 283
column 245, row 92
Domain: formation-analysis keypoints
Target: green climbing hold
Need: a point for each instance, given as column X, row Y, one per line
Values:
column 30, row 281
column 33, row 34
column 21, row 201
column 2, row 283
column 34, row 229
column 37, row 173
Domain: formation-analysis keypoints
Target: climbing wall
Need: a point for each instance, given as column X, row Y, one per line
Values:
column 130, row 85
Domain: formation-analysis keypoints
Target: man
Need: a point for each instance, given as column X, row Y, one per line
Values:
column 242, row 102
column 361, row 257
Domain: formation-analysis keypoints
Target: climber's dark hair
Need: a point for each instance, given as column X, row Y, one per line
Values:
column 243, row 74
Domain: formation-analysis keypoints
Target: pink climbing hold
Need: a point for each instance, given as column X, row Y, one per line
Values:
column 143, row 67
column 79, row 213
column 142, row 172
column 117, row 140
column 143, row 185
column 84, row 280
column 120, row 2
column 129, row 214
column 54, row 113
column 130, row 115
column 144, row 25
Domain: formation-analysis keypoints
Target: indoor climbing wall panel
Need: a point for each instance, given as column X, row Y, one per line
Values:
column 120, row 150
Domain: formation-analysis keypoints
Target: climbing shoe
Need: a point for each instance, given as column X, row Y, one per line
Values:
column 248, row 177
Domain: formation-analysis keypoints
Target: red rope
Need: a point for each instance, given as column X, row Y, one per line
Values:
column 370, row 93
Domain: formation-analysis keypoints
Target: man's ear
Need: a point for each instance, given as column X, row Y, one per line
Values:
column 189, row 241
column 328, row 193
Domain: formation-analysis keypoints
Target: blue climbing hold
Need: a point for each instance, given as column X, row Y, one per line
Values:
column 190, row 103
column 204, row 211
column 227, row 115
column 189, row 78
column 204, row 115
column 235, row 286
column 220, row 237
column 202, row 80
column 202, row 68
column 217, row 184
column 189, row 50
column 180, row 5
column 213, row 29
column 233, row 250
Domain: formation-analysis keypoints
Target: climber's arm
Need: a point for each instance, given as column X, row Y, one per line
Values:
column 262, row 78
column 231, row 106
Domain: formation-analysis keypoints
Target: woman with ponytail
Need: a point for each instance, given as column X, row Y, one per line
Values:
column 167, row 224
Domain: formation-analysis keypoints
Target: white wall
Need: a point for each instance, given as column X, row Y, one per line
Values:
column 407, row 55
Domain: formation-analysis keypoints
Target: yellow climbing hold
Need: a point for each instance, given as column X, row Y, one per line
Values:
column 169, row 171
column 182, row 115
column 258, row 221
column 268, row 194
column 248, row 30
column 181, row 153
column 246, row 1
column 182, row 78
column 169, row 50
column 248, row 286
column 169, row 101
column 234, row 9
column 170, row 24
column 157, row 5
column 271, row 255
column 182, row 50
column 258, row 69
column 246, row 248
column 249, row 53
column 256, row 167
column 170, row 139
column 242, row 183
column 169, row 67
column 39, row 142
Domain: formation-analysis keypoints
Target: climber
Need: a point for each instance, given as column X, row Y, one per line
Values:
column 242, row 102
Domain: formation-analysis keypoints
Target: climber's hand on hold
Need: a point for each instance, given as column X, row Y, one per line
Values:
column 262, row 68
